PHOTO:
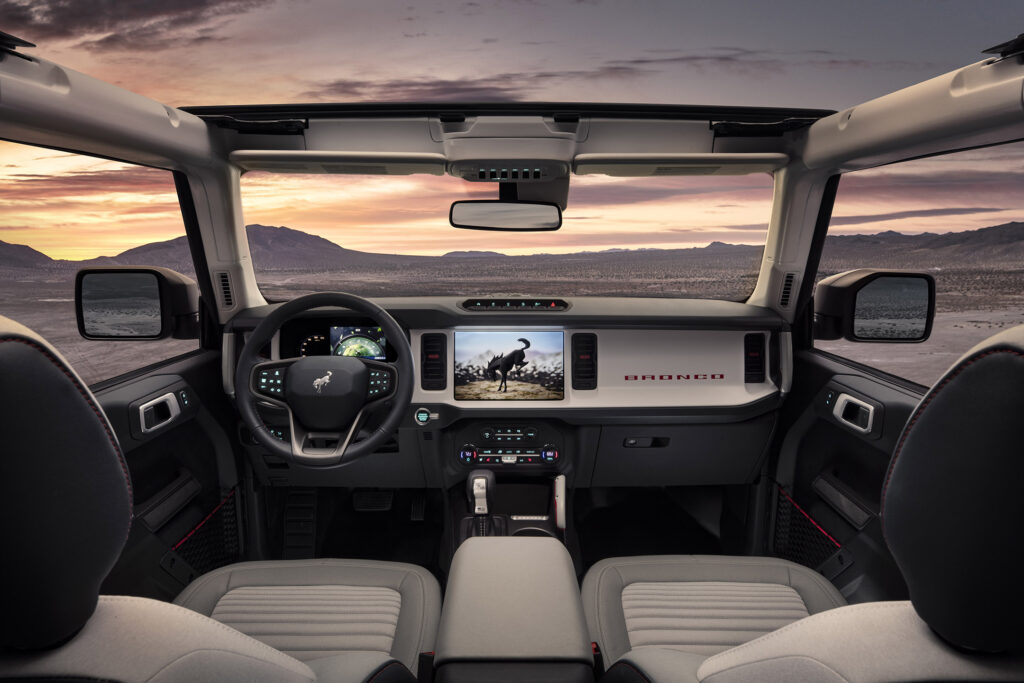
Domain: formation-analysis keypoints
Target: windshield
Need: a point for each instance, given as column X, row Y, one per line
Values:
column 681, row 236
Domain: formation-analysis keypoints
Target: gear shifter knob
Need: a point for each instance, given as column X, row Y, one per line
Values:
column 479, row 489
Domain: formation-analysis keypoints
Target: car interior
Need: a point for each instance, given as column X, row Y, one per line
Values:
column 509, row 487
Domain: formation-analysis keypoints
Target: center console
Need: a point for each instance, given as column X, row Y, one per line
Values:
column 512, row 612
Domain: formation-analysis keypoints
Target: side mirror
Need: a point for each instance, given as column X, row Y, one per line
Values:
column 870, row 305
column 136, row 303
column 497, row 214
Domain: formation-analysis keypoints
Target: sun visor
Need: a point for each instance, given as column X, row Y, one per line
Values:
column 637, row 165
column 358, row 163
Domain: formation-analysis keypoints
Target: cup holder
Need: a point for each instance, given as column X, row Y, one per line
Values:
column 533, row 531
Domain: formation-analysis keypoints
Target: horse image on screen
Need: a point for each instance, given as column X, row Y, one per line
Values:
column 509, row 366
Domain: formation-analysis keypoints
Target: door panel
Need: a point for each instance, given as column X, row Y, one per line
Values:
column 172, row 427
column 841, row 425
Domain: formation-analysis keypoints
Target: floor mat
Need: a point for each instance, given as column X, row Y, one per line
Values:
column 639, row 522
column 383, row 535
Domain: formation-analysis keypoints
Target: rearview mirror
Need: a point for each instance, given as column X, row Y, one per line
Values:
column 494, row 214
column 136, row 303
column 875, row 306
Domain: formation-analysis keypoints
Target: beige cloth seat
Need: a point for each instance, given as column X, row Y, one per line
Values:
column 698, row 604
column 311, row 609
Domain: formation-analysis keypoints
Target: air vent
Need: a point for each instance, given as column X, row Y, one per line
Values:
column 584, row 361
column 753, row 358
column 227, row 297
column 787, row 290
column 514, row 305
column 434, row 362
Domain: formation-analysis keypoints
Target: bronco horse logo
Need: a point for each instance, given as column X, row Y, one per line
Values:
column 503, row 364
column 320, row 382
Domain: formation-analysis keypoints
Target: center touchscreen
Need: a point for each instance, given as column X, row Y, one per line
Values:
column 509, row 366
column 362, row 342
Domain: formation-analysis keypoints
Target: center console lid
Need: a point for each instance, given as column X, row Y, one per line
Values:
column 513, row 602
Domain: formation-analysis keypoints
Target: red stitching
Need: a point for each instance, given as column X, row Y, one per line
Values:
column 809, row 518
column 205, row 520
column 920, row 409
column 95, row 408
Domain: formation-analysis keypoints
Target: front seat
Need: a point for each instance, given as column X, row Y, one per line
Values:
column 952, row 511
column 65, row 512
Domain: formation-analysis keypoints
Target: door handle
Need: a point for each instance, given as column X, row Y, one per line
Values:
column 158, row 412
column 856, row 414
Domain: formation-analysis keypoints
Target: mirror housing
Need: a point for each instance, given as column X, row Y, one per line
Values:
column 875, row 305
column 129, row 303
column 512, row 216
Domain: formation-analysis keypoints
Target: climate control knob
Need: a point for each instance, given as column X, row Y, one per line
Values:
column 468, row 454
column 549, row 453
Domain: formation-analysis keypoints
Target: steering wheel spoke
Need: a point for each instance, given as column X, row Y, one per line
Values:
column 382, row 378
column 311, row 447
column 267, row 381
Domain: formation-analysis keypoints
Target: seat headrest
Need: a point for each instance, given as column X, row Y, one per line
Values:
column 65, row 506
column 953, row 500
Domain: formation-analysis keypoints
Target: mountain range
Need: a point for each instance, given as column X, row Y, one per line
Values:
column 285, row 249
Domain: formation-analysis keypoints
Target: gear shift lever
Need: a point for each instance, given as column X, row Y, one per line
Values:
column 479, row 488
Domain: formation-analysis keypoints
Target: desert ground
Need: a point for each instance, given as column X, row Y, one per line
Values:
column 517, row 391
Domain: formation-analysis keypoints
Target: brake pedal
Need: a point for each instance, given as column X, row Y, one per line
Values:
column 418, row 511
column 372, row 501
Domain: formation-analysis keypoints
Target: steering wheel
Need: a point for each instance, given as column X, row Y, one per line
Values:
column 327, row 397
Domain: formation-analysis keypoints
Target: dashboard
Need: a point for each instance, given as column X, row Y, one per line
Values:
column 597, row 354
column 610, row 392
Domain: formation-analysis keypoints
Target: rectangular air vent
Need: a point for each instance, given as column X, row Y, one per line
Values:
column 584, row 361
column 787, row 290
column 513, row 305
column 434, row 361
column 753, row 358
column 227, row 298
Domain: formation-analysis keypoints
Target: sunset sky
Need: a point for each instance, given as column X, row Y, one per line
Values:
column 805, row 54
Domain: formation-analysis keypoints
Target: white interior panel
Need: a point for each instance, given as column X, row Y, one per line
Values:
column 672, row 368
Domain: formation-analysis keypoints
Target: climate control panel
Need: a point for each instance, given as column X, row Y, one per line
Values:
column 470, row 454
column 507, row 445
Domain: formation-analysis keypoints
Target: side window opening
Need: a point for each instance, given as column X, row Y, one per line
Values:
column 958, row 217
column 60, row 211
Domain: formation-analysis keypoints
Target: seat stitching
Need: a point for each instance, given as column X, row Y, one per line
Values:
column 796, row 624
column 772, row 659
column 196, row 616
column 95, row 408
column 964, row 364
column 230, row 652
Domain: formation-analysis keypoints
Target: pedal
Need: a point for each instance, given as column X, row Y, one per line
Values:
column 300, row 524
column 372, row 501
column 418, row 511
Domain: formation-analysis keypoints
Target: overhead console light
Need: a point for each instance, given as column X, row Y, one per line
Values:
column 649, row 164
column 323, row 161
column 518, row 170
column 515, row 305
